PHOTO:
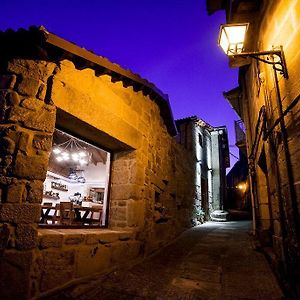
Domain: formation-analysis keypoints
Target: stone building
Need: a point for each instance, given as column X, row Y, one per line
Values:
column 268, row 103
column 55, row 98
column 238, row 196
column 210, row 147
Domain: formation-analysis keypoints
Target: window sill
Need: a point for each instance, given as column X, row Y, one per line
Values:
column 57, row 238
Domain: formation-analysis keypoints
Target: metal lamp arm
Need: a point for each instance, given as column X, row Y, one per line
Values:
column 257, row 55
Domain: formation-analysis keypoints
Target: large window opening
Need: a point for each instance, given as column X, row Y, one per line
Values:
column 76, row 187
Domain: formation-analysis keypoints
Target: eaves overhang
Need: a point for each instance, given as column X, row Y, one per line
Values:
column 38, row 43
column 234, row 98
column 195, row 120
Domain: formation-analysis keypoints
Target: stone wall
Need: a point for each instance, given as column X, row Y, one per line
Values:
column 275, row 182
column 152, row 179
column 209, row 146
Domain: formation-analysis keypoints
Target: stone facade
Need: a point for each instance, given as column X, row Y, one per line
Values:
column 209, row 146
column 272, row 119
column 152, row 190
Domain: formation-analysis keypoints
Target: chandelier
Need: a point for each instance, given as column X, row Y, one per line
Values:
column 74, row 177
column 71, row 151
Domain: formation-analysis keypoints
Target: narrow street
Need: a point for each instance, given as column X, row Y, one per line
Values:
column 211, row 261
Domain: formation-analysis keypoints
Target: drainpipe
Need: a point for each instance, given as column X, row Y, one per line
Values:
column 252, row 198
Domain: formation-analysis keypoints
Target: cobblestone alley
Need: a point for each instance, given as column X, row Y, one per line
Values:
column 211, row 261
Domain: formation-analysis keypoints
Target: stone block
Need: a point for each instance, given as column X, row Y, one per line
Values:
column 102, row 238
column 7, row 81
column 119, row 203
column 20, row 213
column 130, row 116
column 42, row 142
column 15, row 281
column 277, row 227
column 278, row 246
column 118, row 224
column 39, row 70
column 119, row 165
column 57, row 268
column 5, row 234
column 7, row 145
column 74, row 239
column 145, row 130
column 69, row 88
column 135, row 213
column 32, row 104
column 51, row 241
column 120, row 177
column 26, row 237
column 92, row 239
column 41, row 94
column 42, row 120
column 2, row 110
column 31, row 166
column 146, row 117
column 137, row 174
column 92, row 260
column 16, row 192
column 5, row 180
column 12, row 98
column 34, row 191
column 124, row 251
column 124, row 191
column 6, row 164
column 118, row 213
column 28, row 86
column 25, row 141
column 126, row 235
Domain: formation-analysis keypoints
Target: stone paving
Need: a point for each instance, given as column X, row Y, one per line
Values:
column 211, row 261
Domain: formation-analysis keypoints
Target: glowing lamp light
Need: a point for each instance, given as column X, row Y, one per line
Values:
column 82, row 162
column 75, row 156
column 56, row 151
column 82, row 154
column 240, row 186
column 73, row 151
column 232, row 37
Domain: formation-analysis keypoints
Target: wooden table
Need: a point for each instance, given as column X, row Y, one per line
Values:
column 45, row 213
column 86, row 217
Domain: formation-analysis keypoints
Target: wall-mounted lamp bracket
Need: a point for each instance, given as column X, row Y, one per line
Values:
column 273, row 57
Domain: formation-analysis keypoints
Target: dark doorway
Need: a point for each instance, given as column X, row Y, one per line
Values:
column 204, row 197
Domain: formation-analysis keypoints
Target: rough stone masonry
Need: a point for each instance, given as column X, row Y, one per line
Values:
column 152, row 190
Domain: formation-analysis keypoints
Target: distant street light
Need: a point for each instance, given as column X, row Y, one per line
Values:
column 242, row 187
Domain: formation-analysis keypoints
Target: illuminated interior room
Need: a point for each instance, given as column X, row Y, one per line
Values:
column 76, row 186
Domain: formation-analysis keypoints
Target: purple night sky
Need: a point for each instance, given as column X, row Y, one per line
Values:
column 172, row 43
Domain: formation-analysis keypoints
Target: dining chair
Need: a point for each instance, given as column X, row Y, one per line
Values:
column 56, row 214
column 66, row 213
column 45, row 210
column 96, row 215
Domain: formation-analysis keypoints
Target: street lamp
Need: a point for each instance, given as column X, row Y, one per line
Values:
column 232, row 38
